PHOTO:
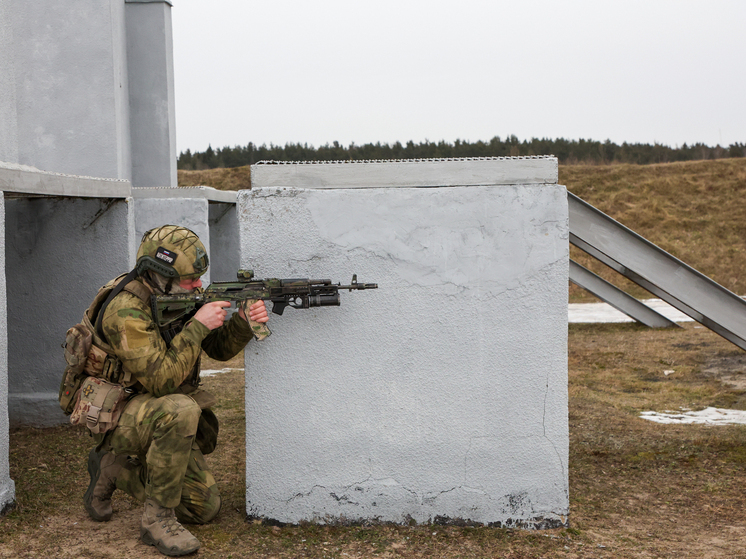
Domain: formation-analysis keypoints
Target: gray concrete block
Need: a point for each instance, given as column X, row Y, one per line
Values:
column 71, row 91
column 87, row 88
column 441, row 396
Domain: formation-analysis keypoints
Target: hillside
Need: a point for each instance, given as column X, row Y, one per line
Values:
column 695, row 210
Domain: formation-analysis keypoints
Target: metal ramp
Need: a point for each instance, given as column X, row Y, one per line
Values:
column 651, row 267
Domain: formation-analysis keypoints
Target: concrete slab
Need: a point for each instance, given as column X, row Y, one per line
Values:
column 426, row 399
column 537, row 169
column 205, row 192
column 24, row 179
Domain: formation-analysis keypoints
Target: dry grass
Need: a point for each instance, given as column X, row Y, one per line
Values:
column 235, row 178
column 694, row 210
column 639, row 489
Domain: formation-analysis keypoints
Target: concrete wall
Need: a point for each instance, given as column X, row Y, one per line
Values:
column 65, row 101
column 72, row 104
column 7, row 487
column 59, row 251
column 441, row 396
column 151, row 92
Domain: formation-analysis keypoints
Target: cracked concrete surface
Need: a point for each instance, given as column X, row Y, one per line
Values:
column 441, row 396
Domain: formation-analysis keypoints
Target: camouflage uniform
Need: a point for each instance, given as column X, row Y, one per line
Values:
column 159, row 425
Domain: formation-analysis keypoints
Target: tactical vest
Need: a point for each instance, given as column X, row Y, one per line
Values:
column 88, row 354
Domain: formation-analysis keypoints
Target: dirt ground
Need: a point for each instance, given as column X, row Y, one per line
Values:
column 637, row 489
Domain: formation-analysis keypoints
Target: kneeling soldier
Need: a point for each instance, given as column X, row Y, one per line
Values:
column 155, row 453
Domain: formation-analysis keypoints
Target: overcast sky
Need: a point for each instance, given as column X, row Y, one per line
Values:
column 316, row 71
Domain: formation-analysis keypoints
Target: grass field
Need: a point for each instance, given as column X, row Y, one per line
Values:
column 637, row 489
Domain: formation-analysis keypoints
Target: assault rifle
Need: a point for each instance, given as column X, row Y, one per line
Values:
column 295, row 293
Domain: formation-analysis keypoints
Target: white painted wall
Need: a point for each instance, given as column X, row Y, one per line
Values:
column 7, row 486
column 72, row 107
column 441, row 396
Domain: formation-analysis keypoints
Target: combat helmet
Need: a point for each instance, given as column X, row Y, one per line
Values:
column 172, row 251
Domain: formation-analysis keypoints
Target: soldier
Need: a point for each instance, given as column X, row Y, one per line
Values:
column 156, row 451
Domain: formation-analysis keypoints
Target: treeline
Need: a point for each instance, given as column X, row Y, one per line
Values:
column 567, row 151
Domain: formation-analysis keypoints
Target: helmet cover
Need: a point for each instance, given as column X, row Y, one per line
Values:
column 173, row 252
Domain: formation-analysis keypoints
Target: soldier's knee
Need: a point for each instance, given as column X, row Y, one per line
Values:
column 181, row 410
column 199, row 512
column 211, row 510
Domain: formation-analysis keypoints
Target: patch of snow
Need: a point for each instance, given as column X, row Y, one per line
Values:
column 602, row 312
column 210, row 372
column 708, row 416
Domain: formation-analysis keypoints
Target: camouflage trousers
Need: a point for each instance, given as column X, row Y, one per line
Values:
column 170, row 467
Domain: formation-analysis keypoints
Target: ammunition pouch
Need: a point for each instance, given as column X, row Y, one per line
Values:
column 78, row 344
column 99, row 404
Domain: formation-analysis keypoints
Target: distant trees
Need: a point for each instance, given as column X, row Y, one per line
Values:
column 567, row 151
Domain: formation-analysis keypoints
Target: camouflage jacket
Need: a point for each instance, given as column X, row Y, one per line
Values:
column 130, row 330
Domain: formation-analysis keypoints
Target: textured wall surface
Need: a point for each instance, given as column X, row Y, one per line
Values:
column 7, row 487
column 441, row 396
column 66, row 101
column 58, row 253
column 71, row 86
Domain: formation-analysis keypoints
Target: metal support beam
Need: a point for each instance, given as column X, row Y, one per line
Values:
column 617, row 298
column 651, row 267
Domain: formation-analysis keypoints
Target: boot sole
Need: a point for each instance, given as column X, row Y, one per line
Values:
column 94, row 471
column 148, row 539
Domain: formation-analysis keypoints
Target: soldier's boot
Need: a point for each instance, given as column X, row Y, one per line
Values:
column 159, row 527
column 103, row 467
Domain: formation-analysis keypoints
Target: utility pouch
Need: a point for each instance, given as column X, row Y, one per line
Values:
column 78, row 343
column 99, row 405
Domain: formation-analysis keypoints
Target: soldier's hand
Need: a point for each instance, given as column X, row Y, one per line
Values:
column 257, row 312
column 213, row 314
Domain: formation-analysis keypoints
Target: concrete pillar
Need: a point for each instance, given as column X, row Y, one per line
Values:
column 59, row 250
column 151, row 92
column 7, row 487
column 442, row 395
column 71, row 91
